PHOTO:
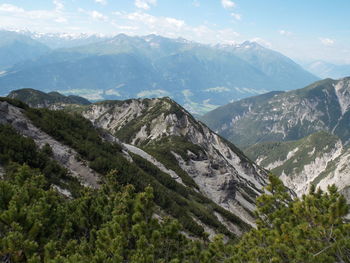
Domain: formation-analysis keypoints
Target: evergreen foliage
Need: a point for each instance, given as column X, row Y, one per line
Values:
column 113, row 224
column 120, row 221
column 178, row 201
column 118, row 224
column 15, row 148
column 310, row 229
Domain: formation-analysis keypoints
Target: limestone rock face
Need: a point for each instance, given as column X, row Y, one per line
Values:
column 285, row 116
column 219, row 169
column 302, row 135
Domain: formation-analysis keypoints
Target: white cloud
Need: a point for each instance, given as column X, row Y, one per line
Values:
column 153, row 93
column 134, row 23
column 94, row 14
column 98, row 16
column 327, row 41
column 175, row 22
column 236, row 16
column 12, row 13
column 227, row 4
column 85, row 93
column 10, row 8
column 226, row 35
column 127, row 29
column 187, row 93
column 112, row 92
column 61, row 20
column 145, row 4
column 102, row 2
column 217, row 89
column 173, row 28
column 285, row 33
column 58, row 5
column 152, row 24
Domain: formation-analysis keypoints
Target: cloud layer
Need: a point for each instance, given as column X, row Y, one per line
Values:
column 145, row 4
column 227, row 4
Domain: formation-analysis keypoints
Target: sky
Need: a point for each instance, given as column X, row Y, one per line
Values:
column 305, row 30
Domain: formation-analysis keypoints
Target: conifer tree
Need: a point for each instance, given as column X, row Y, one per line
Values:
column 310, row 229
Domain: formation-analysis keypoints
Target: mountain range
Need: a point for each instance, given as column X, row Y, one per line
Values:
column 284, row 116
column 324, row 69
column 301, row 135
column 199, row 77
column 16, row 48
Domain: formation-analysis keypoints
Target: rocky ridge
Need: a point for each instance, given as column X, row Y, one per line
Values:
column 319, row 159
column 301, row 136
column 218, row 207
column 218, row 168
column 52, row 100
column 284, row 116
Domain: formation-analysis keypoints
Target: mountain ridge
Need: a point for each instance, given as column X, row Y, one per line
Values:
column 199, row 76
column 38, row 99
column 323, row 105
column 159, row 127
column 319, row 160
column 16, row 48
column 235, row 191
column 302, row 135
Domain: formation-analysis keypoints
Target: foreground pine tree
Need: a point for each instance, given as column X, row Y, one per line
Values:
column 311, row 229
column 118, row 224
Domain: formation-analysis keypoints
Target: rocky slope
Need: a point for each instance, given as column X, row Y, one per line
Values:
column 66, row 156
column 206, row 193
column 319, row 159
column 301, row 136
column 284, row 116
column 201, row 158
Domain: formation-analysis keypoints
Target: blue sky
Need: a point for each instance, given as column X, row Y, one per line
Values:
column 302, row 29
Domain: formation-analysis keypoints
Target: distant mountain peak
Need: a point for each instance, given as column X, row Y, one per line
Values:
column 125, row 66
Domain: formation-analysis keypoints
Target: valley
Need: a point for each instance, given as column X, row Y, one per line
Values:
column 200, row 77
